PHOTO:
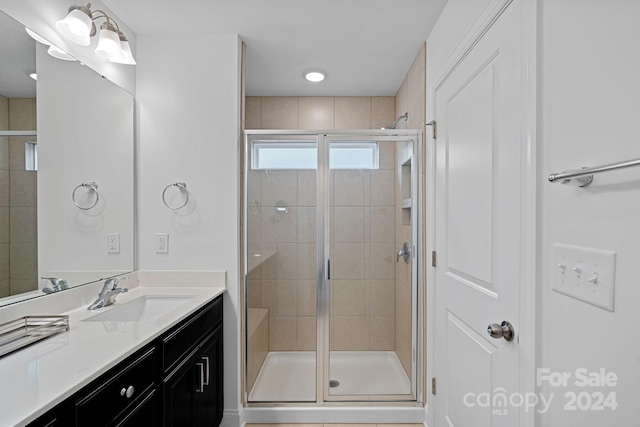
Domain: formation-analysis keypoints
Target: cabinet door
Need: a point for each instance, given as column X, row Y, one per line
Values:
column 144, row 414
column 180, row 395
column 209, row 371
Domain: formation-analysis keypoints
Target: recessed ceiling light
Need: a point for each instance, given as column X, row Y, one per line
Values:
column 314, row 76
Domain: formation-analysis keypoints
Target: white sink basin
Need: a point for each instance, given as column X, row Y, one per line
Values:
column 144, row 308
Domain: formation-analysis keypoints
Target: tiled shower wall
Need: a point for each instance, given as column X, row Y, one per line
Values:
column 362, row 308
column 18, row 229
column 411, row 99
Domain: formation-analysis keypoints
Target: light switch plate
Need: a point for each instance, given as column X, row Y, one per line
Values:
column 585, row 274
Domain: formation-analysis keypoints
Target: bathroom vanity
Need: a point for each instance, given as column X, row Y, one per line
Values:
column 109, row 370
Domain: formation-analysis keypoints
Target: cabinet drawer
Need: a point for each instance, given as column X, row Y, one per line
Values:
column 115, row 395
column 181, row 341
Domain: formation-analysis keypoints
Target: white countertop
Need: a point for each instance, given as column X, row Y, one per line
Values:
column 38, row 377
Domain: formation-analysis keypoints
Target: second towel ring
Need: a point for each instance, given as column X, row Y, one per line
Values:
column 91, row 186
column 182, row 187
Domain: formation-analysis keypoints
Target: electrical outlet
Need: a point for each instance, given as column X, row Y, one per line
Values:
column 162, row 243
column 113, row 243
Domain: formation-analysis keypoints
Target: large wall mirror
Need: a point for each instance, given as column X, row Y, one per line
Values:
column 66, row 171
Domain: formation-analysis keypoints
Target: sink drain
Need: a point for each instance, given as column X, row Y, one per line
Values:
column 334, row 383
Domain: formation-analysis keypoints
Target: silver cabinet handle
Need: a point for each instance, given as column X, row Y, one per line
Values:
column 206, row 359
column 503, row 330
column 201, row 365
column 128, row 392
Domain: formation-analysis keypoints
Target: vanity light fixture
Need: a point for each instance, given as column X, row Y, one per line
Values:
column 79, row 26
column 54, row 51
column 315, row 76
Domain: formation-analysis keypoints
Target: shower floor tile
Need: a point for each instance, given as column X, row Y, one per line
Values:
column 291, row 376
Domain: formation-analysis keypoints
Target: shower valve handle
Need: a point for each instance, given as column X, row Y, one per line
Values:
column 404, row 253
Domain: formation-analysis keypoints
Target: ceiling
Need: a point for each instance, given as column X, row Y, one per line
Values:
column 365, row 46
column 18, row 53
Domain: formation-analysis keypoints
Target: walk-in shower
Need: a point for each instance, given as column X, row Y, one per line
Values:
column 331, row 308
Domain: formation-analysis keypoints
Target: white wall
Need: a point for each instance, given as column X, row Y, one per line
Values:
column 589, row 86
column 85, row 133
column 188, row 124
column 41, row 17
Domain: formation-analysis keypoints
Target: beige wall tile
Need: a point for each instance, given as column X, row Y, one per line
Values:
column 348, row 224
column 307, row 297
column 382, row 333
column 23, row 225
column 353, row 112
column 307, row 261
column 382, row 297
column 4, row 225
column 383, row 224
column 316, row 112
column 4, row 261
column 383, row 111
column 253, row 112
column 254, row 293
column 254, row 179
column 306, row 333
column 307, row 187
column 279, row 226
column 280, row 112
column 350, row 332
column 402, row 105
column 278, row 186
column 415, row 86
column 254, row 219
column 283, row 265
column 4, row 113
column 347, row 261
column 280, row 297
column 382, row 187
column 383, row 260
column 349, row 297
column 22, row 114
column 5, row 288
column 4, row 188
column 19, row 286
column 16, row 152
column 387, row 155
column 4, row 153
column 22, row 188
column 349, row 187
column 283, row 333
column 307, row 226
column 23, row 258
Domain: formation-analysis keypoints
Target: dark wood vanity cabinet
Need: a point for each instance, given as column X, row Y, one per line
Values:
column 174, row 381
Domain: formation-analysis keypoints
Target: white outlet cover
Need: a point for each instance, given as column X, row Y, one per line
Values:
column 585, row 274
column 113, row 243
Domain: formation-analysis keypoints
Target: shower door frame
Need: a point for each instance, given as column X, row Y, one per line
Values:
column 418, row 366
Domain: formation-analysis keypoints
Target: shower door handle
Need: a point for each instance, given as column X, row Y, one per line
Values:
column 328, row 269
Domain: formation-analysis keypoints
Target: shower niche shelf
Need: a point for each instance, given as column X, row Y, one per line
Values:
column 405, row 188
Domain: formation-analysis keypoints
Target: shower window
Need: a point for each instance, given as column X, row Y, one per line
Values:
column 280, row 155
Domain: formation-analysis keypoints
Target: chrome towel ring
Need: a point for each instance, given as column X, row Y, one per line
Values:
column 183, row 188
column 90, row 186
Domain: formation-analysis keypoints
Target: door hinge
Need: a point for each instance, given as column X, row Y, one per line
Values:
column 433, row 258
column 433, row 386
column 434, row 134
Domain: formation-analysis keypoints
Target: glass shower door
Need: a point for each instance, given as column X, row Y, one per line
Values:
column 370, row 292
column 281, row 239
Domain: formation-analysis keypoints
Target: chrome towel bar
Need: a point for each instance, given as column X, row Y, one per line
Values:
column 583, row 177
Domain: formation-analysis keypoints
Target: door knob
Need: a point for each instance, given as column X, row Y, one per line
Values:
column 503, row 330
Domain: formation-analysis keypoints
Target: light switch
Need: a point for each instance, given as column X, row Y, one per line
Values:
column 585, row 274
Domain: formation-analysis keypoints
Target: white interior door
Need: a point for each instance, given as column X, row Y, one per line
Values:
column 478, row 224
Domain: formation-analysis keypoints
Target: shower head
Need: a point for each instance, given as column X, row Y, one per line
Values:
column 393, row 124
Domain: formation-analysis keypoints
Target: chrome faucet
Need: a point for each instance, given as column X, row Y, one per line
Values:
column 108, row 294
column 57, row 285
